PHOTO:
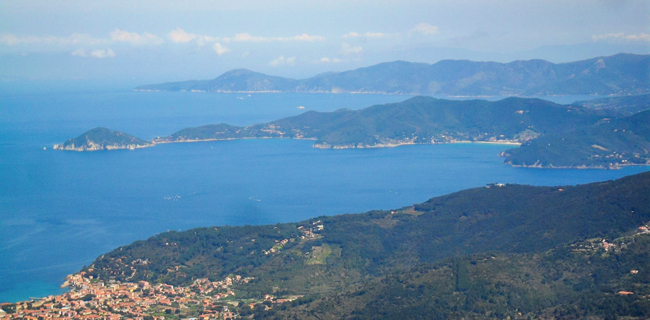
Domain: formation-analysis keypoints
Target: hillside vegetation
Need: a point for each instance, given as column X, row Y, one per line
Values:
column 576, row 281
column 609, row 143
column 327, row 254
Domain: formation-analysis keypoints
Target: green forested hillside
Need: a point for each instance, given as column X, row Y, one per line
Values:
column 577, row 281
column 608, row 143
column 416, row 120
column 553, row 135
column 326, row 254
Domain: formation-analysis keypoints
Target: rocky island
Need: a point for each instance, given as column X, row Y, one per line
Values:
column 103, row 139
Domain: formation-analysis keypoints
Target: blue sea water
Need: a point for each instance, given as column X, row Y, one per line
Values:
column 60, row 210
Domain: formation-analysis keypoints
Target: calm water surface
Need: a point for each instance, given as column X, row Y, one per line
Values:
column 60, row 210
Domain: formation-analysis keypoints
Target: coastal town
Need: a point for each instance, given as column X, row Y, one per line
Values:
column 90, row 298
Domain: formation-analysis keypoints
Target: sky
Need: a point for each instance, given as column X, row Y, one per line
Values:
column 140, row 42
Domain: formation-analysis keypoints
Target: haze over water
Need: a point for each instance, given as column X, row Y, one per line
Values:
column 60, row 210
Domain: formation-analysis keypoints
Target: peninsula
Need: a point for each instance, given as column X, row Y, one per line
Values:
column 551, row 135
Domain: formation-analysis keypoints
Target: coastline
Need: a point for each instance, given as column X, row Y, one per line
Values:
column 539, row 96
column 580, row 167
column 325, row 146
column 393, row 145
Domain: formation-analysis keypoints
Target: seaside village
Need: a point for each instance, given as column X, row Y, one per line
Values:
column 91, row 299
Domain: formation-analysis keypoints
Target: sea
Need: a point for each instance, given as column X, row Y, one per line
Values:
column 60, row 210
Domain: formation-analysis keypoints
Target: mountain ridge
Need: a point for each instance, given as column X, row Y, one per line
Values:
column 620, row 74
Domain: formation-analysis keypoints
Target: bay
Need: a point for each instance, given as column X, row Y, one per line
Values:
column 60, row 210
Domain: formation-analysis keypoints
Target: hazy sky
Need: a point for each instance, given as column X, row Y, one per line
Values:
column 177, row 40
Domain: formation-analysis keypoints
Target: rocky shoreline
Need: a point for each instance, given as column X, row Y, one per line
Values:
column 99, row 147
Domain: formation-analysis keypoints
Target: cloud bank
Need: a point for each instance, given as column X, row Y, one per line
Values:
column 280, row 61
column 424, row 29
column 135, row 38
column 622, row 36
column 73, row 39
column 247, row 37
column 97, row 53
column 370, row 35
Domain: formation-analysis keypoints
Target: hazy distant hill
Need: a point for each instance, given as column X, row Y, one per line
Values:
column 619, row 74
column 607, row 143
column 617, row 106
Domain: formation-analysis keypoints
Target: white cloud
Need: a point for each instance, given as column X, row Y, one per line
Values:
column 371, row 35
column 328, row 60
column 9, row 39
column 219, row 49
column 135, row 38
column 203, row 40
column 247, row 37
column 73, row 39
column 622, row 36
column 79, row 53
column 282, row 61
column 306, row 37
column 97, row 53
column 108, row 53
column 347, row 49
column 245, row 54
column 180, row 36
column 425, row 29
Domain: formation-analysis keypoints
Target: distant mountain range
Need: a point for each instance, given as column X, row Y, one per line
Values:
column 620, row 74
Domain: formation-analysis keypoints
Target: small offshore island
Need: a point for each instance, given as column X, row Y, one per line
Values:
column 103, row 139
column 606, row 133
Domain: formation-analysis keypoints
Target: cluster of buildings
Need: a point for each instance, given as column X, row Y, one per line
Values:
column 307, row 233
column 92, row 299
column 616, row 245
